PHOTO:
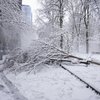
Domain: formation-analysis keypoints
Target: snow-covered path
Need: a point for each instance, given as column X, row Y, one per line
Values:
column 90, row 74
column 52, row 84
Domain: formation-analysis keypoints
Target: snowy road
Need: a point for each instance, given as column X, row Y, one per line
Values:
column 52, row 84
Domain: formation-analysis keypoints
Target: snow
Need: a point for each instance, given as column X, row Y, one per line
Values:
column 95, row 57
column 41, row 41
column 90, row 74
column 52, row 84
column 5, row 96
column 4, row 92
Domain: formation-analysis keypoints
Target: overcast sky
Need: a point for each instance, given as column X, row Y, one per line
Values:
column 34, row 6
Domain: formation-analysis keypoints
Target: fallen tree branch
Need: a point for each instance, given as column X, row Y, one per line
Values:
column 87, row 61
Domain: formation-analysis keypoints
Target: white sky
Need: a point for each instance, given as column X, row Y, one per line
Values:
column 34, row 4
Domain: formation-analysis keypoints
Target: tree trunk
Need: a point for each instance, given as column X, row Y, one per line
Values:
column 86, row 21
column 61, row 21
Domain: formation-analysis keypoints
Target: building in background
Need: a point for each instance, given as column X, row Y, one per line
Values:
column 27, row 36
column 26, row 9
column 6, row 28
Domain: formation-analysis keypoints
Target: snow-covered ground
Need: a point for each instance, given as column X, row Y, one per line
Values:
column 90, row 74
column 52, row 84
column 4, row 92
